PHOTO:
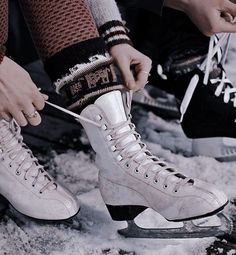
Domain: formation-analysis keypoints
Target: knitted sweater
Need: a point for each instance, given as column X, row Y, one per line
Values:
column 106, row 15
column 109, row 22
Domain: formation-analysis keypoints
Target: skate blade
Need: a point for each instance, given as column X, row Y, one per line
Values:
column 189, row 230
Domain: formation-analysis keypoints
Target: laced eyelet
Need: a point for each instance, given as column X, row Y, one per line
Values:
column 1, row 150
column 146, row 176
column 99, row 117
column 104, row 127
column 136, row 171
column 127, row 165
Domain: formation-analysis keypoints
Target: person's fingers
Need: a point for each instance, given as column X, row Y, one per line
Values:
column 39, row 101
column 227, row 27
column 127, row 74
column 230, row 7
column 5, row 116
column 142, row 73
column 19, row 118
column 45, row 96
column 31, row 115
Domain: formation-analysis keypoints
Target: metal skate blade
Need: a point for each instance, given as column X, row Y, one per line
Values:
column 189, row 230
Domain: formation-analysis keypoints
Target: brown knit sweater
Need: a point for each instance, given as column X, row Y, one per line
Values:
column 3, row 26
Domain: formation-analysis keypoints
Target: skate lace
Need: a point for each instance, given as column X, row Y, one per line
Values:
column 21, row 156
column 135, row 150
column 222, row 84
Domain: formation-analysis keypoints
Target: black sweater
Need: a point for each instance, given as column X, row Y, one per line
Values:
column 151, row 5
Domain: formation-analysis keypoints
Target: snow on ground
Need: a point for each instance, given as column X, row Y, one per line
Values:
column 93, row 232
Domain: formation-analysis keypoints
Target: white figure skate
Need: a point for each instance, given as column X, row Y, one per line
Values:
column 26, row 185
column 132, row 179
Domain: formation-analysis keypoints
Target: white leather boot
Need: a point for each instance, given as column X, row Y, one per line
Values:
column 25, row 184
column 131, row 178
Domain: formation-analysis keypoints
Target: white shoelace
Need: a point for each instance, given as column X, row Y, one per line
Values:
column 135, row 149
column 223, row 84
column 12, row 146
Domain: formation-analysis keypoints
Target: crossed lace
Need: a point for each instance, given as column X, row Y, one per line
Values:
column 223, row 84
column 12, row 145
column 128, row 153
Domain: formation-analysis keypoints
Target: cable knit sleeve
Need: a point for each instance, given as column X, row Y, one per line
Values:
column 109, row 22
column 3, row 27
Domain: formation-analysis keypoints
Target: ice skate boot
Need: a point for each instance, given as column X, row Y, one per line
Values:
column 26, row 185
column 207, row 102
column 132, row 179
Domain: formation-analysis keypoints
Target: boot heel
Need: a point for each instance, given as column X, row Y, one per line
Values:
column 125, row 212
column 122, row 202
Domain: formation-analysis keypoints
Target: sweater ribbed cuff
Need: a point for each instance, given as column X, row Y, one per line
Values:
column 114, row 32
column 2, row 53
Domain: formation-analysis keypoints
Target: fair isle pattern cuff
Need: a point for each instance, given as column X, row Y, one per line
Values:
column 80, row 69
column 114, row 32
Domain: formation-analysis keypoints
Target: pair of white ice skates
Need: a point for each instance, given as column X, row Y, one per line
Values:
column 131, row 179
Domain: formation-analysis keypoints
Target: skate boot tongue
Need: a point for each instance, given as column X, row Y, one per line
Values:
column 112, row 105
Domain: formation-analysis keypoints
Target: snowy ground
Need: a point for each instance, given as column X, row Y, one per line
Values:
column 93, row 232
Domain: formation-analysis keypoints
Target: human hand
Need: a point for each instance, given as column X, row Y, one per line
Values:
column 19, row 97
column 134, row 66
column 210, row 16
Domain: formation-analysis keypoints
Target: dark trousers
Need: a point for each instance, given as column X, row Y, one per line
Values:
column 165, row 39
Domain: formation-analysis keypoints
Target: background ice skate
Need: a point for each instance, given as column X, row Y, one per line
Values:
column 93, row 232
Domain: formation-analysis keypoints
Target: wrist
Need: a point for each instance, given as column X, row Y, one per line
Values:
column 114, row 32
column 180, row 5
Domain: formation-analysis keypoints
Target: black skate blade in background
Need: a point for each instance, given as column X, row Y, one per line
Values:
column 189, row 230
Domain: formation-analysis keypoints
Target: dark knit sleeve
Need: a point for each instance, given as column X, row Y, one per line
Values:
column 151, row 5
column 3, row 27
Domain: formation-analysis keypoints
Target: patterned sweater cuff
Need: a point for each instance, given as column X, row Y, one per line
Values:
column 114, row 32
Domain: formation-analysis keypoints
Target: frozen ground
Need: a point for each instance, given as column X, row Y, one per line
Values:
column 92, row 232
